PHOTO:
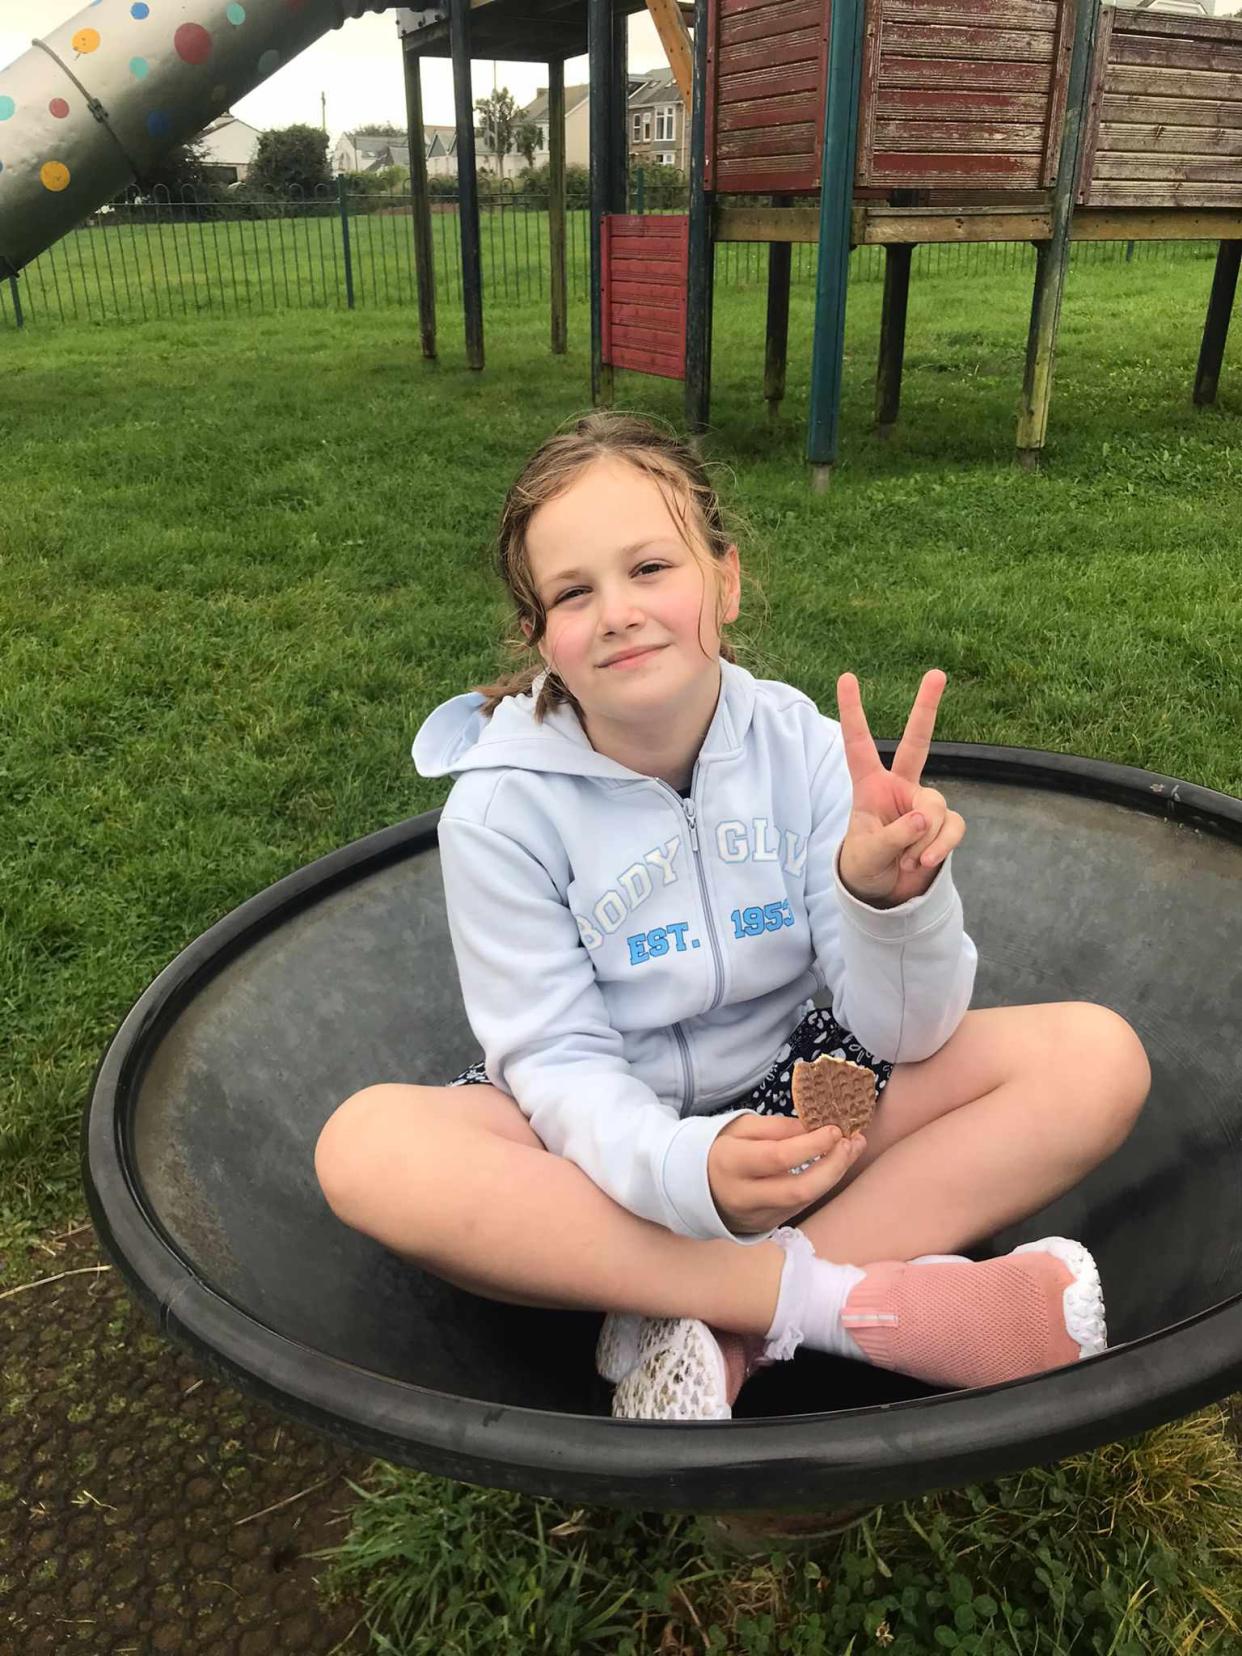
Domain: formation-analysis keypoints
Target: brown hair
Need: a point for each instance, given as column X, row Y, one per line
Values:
column 659, row 454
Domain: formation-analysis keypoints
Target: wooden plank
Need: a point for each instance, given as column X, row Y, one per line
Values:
column 783, row 81
column 762, row 112
column 802, row 46
column 1165, row 53
column 968, row 45
column 771, row 24
column 1142, row 193
column 1095, row 100
column 1156, row 23
column 626, row 315
column 1157, row 83
column 908, row 104
column 913, row 171
column 1214, row 169
column 795, row 139
column 1171, row 111
column 741, row 8
column 647, row 337
column 1117, row 137
column 1058, row 92
column 761, row 175
column 1007, row 138
column 675, row 39
column 987, row 76
column 989, row 14
column 666, row 367
column 637, row 293
column 881, row 225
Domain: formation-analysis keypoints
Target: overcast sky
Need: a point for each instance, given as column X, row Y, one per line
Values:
column 357, row 66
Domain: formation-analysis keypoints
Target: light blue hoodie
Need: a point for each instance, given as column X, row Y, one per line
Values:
column 631, row 960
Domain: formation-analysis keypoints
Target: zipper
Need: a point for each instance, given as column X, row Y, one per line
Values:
column 688, row 810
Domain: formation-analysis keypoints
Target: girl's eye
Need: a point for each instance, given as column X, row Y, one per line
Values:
column 573, row 591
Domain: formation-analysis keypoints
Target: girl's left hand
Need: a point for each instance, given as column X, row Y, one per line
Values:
column 900, row 832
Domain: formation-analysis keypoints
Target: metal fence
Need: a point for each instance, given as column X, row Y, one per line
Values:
column 245, row 255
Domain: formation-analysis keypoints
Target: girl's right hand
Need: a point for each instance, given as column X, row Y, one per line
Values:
column 748, row 1169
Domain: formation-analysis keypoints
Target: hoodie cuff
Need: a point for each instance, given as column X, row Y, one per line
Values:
column 686, row 1187
column 907, row 920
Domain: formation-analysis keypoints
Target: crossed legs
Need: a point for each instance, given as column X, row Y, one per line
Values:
column 1012, row 1111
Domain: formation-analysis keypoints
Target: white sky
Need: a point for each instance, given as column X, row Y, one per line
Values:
column 357, row 66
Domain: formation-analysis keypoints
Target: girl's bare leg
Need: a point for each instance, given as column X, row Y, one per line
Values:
column 1013, row 1110
column 1018, row 1106
column 456, row 1179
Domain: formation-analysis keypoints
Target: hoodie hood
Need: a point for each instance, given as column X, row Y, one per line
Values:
column 457, row 737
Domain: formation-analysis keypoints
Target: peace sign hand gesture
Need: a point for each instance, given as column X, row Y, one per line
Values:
column 899, row 832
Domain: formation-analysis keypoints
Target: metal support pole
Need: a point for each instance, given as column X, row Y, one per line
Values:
column 836, row 198
column 618, row 143
column 892, row 336
column 556, row 206
column 467, row 182
column 1053, row 261
column 343, row 202
column 599, row 46
column 15, row 294
column 776, row 352
column 420, row 204
column 702, row 245
column 1216, row 326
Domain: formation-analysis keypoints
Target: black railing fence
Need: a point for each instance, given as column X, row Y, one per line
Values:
column 240, row 254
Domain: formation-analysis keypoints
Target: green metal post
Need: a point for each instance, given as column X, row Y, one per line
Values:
column 1216, row 326
column 892, row 336
column 640, row 190
column 1053, row 258
column 343, row 201
column 556, row 205
column 15, row 291
column 701, row 250
column 845, row 49
column 420, row 204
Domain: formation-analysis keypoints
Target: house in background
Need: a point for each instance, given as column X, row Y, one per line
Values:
column 657, row 127
column 228, row 147
column 658, row 123
column 361, row 152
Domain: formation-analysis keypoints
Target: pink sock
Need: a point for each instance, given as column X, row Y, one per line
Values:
column 967, row 1324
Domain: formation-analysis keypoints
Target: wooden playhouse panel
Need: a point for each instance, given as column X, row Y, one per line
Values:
column 644, row 265
column 767, row 64
column 1164, row 126
column 970, row 93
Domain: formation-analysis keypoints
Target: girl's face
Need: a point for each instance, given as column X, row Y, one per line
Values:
column 615, row 576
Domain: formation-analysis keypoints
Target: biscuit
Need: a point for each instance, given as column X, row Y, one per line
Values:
column 833, row 1092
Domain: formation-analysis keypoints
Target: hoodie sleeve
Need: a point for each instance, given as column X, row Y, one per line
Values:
column 533, row 1003
column 901, row 978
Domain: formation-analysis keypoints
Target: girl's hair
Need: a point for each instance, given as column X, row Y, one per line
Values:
column 661, row 455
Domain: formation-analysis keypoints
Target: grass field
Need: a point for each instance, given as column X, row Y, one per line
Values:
column 239, row 563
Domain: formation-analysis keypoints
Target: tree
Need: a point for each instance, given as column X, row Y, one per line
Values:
column 380, row 129
column 291, row 161
column 526, row 141
column 182, row 175
column 504, row 128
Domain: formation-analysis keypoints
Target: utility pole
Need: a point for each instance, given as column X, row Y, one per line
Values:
column 323, row 110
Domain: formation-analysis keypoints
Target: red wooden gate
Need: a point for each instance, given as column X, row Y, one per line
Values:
column 643, row 266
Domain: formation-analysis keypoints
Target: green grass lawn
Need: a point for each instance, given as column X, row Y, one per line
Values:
column 241, row 560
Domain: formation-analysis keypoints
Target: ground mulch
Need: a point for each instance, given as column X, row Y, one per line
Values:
column 146, row 1507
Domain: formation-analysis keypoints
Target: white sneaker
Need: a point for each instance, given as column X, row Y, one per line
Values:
column 679, row 1374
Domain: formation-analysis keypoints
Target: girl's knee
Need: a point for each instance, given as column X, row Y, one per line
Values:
column 1107, row 1053
column 354, row 1142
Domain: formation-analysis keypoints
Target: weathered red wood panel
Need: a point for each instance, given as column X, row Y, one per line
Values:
column 767, row 64
column 644, row 262
column 969, row 93
column 1165, row 119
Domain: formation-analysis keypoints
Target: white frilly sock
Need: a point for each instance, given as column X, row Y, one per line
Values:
column 812, row 1297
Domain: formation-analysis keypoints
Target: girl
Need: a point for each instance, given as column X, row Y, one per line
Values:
column 653, row 861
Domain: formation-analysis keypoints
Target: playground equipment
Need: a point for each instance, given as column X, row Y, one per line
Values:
column 1083, row 881
column 912, row 120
